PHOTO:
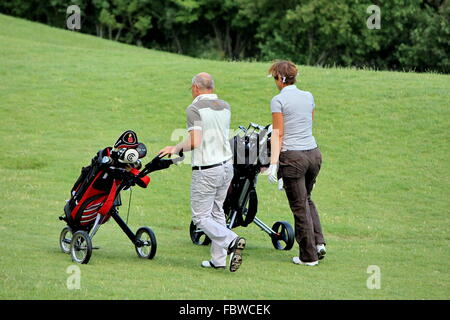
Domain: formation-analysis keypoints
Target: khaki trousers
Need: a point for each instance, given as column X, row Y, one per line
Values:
column 208, row 191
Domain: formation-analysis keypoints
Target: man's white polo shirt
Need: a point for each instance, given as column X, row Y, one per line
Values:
column 212, row 116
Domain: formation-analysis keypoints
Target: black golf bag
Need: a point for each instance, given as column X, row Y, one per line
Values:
column 251, row 151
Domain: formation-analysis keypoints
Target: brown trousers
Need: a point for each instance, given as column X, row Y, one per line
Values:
column 299, row 170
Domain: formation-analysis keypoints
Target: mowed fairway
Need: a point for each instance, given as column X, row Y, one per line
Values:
column 383, row 193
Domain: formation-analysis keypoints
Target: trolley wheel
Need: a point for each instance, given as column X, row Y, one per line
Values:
column 81, row 247
column 145, row 243
column 198, row 237
column 65, row 238
column 283, row 239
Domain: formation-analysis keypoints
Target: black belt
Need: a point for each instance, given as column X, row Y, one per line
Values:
column 209, row 167
column 302, row 150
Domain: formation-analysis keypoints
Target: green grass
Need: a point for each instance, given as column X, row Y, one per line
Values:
column 383, row 192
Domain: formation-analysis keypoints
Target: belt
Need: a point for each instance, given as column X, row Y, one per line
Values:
column 301, row 150
column 209, row 167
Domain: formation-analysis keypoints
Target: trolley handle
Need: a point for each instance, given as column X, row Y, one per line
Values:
column 158, row 163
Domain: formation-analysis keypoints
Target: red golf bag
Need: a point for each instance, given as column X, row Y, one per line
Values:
column 96, row 190
column 95, row 197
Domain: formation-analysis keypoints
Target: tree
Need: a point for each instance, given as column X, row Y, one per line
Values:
column 429, row 45
column 414, row 34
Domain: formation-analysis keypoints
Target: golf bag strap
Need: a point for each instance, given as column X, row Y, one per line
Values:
column 252, row 207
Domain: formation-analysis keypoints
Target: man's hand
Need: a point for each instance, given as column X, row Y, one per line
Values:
column 169, row 150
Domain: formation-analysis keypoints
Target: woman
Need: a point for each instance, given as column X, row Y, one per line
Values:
column 296, row 155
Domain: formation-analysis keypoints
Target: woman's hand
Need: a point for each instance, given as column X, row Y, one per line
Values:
column 272, row 173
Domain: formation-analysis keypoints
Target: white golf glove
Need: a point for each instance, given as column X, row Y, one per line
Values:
column 280, row 184
column 272, row 173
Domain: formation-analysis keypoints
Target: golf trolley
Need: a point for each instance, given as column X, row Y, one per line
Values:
column 95, row 197
column 251, row 149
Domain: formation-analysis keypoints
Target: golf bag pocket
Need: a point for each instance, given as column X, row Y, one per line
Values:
column 93, row 202
column 104, row 182
column 88, row 212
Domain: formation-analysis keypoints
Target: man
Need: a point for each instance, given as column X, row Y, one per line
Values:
column 208, row 125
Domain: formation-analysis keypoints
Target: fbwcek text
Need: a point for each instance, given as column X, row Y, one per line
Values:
column 228, row 309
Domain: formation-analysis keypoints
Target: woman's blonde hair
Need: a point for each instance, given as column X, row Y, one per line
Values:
column 285, row 70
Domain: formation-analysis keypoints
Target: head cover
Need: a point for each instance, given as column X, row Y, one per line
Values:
column 142, row 150
column 128, row 155
column 128, row 139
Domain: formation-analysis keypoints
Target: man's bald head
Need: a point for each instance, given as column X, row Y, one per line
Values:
column 203, row 81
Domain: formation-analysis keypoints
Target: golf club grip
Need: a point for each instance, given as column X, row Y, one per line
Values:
column 158, row 163
column 148, row 168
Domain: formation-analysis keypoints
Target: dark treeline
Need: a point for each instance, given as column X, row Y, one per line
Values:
column 413, row 34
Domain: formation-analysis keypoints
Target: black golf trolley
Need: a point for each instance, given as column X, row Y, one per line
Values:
column 251, row 150
column 95, row 197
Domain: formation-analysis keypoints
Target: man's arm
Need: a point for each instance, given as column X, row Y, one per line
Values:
column 193, row 141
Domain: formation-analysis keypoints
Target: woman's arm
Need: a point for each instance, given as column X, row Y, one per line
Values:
column 276, row 140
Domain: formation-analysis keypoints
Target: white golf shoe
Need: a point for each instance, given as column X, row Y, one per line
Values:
column 209, row 264
column 297, row 260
